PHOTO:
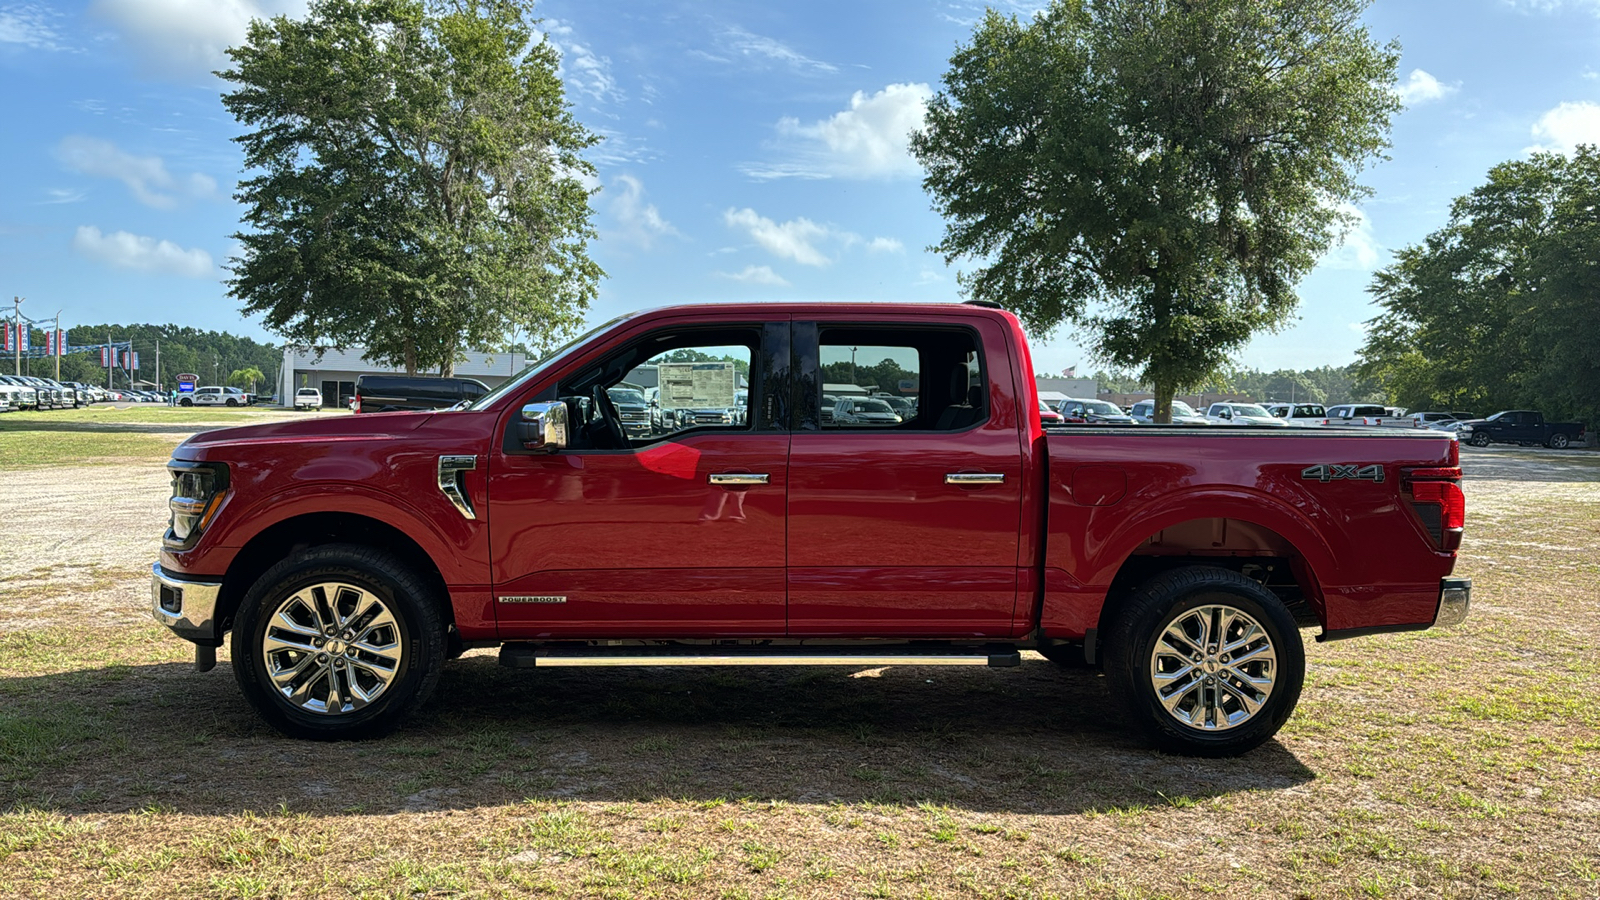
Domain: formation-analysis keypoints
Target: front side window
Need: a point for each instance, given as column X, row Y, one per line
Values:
column 665, row 385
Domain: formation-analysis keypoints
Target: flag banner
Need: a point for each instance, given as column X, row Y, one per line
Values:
column 135, row 357
column 61, row 343
column 7, row 345
column 105, row 357
column 22, row 336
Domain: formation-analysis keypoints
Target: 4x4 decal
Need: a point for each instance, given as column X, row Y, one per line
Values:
column 1335, row 472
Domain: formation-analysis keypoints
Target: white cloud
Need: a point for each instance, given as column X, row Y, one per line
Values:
column 1420, row 87
column 187, row 38
column 737, row 42
column 30, row 25
column 790, row 240
column 64, row 195
column 1565, row 127
column 1549, row 6
column 868, row 140
column 638, row 222
column 146, row 176
column 885, row 245
column 1360, row 249
column 582, row 70
column 756, row 275
column 122, row 250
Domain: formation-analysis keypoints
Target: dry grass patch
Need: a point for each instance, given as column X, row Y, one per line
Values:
column 1452, row 764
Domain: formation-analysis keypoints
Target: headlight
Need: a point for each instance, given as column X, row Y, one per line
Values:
column 197, row 492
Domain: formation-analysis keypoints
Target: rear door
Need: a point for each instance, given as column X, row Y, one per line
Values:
column 908, row 529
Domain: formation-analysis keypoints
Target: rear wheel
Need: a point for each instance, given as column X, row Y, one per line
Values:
column 1479, row 440
column 338, row 642
column 1559, row 441
column 1205, row 661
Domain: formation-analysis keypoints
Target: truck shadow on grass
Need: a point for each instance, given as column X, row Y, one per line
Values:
column 1034, row 740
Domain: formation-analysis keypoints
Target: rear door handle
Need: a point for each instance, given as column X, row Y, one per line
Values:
column 738, row 478
column 975, row 478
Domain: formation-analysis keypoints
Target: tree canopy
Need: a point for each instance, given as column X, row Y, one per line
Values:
column 1500, row 308
column 416, row 179
column 1158, row 174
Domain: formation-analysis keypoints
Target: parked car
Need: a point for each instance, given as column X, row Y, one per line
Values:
column 215, row 396
column 633, row 410
column 1521, row 426
column 1048, row 416
column 864, row 411
column 1242, row 414
column 1438, row 419
column 51, row 396
column 349, row 557
column 1304, row 415
column 27, row 395
column 306, row 398
column 395, row 393
column 1144, row 412
column 1093, row 412
column 1368, row 414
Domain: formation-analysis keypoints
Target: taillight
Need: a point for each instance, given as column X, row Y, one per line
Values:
column 1440, row 505
column 355, row 405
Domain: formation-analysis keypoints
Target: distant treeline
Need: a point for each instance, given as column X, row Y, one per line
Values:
column 212, row 355
column 1325, row 384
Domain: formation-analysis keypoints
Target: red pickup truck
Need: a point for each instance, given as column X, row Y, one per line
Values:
column 351, row 556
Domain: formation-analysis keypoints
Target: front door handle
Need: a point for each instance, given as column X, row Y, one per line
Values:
column 975, row 478
column 738, row 478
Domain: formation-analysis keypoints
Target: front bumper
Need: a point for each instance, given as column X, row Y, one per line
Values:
column 188, row 607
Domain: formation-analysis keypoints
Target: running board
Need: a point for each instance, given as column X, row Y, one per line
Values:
column 529, row 656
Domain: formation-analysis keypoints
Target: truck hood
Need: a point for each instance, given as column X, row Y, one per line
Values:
column 376, row 426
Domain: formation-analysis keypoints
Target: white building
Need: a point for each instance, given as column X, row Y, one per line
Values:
column 334, row 372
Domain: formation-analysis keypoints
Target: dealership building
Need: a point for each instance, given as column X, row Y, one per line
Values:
column 334, row 372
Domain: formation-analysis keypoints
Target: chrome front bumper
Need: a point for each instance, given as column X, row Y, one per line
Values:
column 187, row 607
column 1455, row 598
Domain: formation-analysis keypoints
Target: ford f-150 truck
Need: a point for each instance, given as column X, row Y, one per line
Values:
column 350, row 556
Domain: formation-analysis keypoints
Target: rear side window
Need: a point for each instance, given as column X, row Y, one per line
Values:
column 902, row 379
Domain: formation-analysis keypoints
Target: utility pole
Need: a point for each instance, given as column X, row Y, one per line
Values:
column 158, row 364
column 16, row 320
column 56, row 348
column 111, row 359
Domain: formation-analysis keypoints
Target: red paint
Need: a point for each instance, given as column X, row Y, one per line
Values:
column 856, row 534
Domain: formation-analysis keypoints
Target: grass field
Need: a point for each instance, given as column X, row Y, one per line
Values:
column 104, row 434
column 1461, row 763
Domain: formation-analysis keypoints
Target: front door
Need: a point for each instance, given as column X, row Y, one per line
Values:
column 677, row 530
column 905, row 519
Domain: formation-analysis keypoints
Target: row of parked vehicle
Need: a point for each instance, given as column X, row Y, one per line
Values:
column 33, row 392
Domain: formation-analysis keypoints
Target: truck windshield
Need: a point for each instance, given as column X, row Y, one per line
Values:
column 1244, row 409
column 534, row 369
column 1100, row 408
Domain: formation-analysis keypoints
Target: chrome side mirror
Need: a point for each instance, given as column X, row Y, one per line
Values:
column 543, row 427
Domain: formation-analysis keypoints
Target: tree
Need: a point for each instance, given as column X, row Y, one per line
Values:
column 417, row 179
column 1498, row 308
column 1159, row 172
column 248, row 375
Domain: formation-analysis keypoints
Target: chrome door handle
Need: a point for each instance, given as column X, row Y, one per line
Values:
column 975, row 478
column 738, row 478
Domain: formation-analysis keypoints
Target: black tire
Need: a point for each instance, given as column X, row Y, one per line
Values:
column 418, row 631
column 1130, row 646
column 186, row 402
column 1479, row 440
column 1559, row 441
column 232, row 402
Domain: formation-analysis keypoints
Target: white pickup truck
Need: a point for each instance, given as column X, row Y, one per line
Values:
column 215, row 396
column 1302, row 415
column 1369, row 414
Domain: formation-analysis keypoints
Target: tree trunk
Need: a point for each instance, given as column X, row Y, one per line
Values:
column 411, row 356
column 447, row 369
column 1162, row 414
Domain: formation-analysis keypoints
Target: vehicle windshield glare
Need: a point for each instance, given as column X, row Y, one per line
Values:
column 1250, row 409
column 626, row 395
column 1179, row 408
column 877, row 406
column 1101, row 408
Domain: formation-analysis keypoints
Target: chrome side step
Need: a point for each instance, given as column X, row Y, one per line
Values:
column 529, row 656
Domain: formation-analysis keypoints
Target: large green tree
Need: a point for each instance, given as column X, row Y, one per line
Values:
column 415, row 179
column 1158, row 173
column 1500, row 308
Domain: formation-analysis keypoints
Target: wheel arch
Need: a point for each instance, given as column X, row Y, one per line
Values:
column 1277, row 553
column 280, row 539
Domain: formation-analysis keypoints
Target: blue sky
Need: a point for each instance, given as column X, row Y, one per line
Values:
column 753, row 151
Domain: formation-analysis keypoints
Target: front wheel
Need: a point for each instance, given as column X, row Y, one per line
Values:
column 1479, row 440
column 338, row 642
column 1559, row 441
column 1206, row 661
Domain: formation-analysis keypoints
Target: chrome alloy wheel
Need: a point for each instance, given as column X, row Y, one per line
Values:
column 332, row 648
column 1213, row 667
